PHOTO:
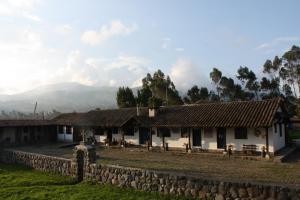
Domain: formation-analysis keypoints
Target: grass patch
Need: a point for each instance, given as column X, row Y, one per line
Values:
column 20, row 183
column 294, row 134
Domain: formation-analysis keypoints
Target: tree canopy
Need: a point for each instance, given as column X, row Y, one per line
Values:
column 281, row 77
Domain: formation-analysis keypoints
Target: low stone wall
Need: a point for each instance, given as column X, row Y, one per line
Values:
column 150, row 180
column 37, row 161
column 171, row 183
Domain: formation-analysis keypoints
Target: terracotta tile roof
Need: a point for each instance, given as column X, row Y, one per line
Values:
column 221, row 114
column 25, row 122
column 104, row 118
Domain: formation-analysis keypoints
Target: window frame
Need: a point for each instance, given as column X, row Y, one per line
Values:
column 241, row 133
column 129, row 131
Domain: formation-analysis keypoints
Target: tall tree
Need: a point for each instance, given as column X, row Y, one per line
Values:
column 195, row 94
column 216, row 76
column 291, row 63
column 249, row 80
column 125, row 98
column 161, row 87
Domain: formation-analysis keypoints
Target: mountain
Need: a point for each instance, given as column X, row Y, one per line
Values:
column 63, row 97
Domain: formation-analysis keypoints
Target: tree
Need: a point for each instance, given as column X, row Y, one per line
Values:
column 125, row 98
column 216, row 76
column 291, row 63
column 193, row 95
column 249, row 80
column 143, row 96
column 160, row 86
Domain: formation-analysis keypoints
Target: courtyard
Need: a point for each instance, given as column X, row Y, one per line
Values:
column 210, row 166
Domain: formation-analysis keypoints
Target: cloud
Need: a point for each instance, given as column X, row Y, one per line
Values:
column 270, row 47
column 184, row 73
column 20, row 8
column 106, row 32
column 122, row 70
column 63, row 29
column 166, row 43
column 179, row 49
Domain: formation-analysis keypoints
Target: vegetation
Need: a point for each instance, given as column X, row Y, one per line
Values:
column 125, row 97
column 294, row 134
column 22, row 183
column 281, row 78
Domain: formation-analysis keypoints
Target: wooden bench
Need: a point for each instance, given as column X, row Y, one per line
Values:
column 249, row 149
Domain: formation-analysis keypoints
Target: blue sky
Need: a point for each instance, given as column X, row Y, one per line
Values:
column 113, row 43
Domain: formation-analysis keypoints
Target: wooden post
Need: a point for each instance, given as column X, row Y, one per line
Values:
column 267, row 139
column 189, row 134
column 123, row 138
column 150, row 139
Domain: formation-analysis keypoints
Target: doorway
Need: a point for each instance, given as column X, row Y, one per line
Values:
column 144, row 135
column 221, row 138
column 196, row 137
column 109, row 135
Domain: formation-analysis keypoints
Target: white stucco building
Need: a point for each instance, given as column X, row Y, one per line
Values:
column 204, row 127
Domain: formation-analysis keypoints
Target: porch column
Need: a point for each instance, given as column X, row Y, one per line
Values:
column 123, row 138
column 72, row 131
column 65, row 131
column 267, row 139
column 150, row 138
column 189, row 138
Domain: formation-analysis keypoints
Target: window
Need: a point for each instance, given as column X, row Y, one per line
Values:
column 25, row 129
column 68, row 129
column 114, row 130
column 129, row 131
column 208, row 132
column 275, row 128
column 184, row 132
column 153, row 132
column 240, row 133
column 164, row 132
column 38, row 129
column 99, row 131
column 60, row 129
column 280, row 130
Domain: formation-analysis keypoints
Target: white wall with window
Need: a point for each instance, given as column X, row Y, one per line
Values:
column 279, row 136
column 65, row 133
column 237, row 137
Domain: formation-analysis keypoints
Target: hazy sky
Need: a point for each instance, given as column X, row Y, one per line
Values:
column 116, row 43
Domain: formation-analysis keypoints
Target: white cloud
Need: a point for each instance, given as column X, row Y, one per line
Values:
column 166, row 43
column 106, row 32
column 270, row 47
column 185, row 74
column 179, row 49
column 63, row 29
column 19, row 8
column 123, row 70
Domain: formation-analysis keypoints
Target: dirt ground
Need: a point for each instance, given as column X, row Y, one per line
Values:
column 213, row 167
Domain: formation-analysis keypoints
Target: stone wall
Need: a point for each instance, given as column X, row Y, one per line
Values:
column 148, row 180
column 172, row 183
column 37, row 161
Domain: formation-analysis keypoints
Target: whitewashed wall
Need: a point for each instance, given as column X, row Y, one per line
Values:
column 278, row 141
column 63, row 136
column 259, row 141
column 208, row 142
column 133, row 139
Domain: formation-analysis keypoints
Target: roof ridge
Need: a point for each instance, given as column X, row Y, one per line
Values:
column 231, row 102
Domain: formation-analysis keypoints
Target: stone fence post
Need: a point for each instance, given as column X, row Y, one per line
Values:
column 83, row 156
